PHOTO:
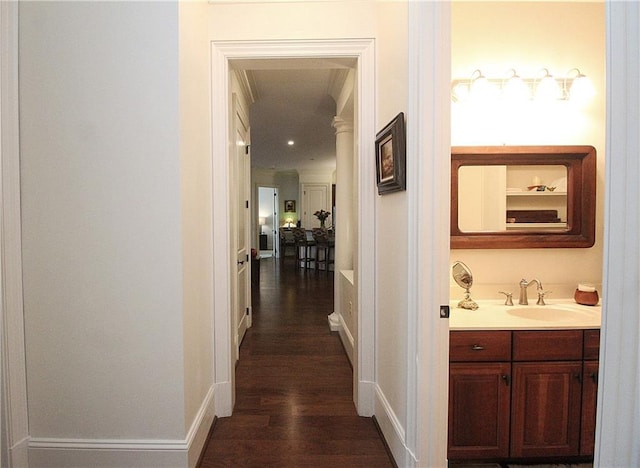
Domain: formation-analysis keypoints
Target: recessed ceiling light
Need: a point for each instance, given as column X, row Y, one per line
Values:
column 290, row 142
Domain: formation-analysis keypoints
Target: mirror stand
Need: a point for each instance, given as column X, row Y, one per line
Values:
column 463, row 277
column 467, row 302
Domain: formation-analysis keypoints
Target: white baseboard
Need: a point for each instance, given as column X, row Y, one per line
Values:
column 116, row 453
column 392, row 429
column 366, row 398
column 102, row 453
column 199, row 430
column 19, row 453
column 224, row 399
column 347, row 339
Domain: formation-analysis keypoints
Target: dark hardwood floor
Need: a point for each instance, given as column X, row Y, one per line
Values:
column 294, row 403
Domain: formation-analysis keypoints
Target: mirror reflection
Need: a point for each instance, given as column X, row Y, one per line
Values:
column 523, row 197
column 493, row 198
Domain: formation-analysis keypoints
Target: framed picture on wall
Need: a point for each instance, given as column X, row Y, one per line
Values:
column 289, row 206
column 391, row 157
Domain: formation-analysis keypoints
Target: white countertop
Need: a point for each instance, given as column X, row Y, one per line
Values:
column 494, row 315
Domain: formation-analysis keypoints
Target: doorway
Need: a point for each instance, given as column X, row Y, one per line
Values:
column 225, row 57
column 267, row 206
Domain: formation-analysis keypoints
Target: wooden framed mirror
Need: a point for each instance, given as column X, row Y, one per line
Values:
column 522, row 197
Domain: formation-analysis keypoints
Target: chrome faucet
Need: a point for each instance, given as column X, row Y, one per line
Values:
column 524, row 284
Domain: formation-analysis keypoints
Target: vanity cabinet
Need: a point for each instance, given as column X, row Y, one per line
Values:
column 589, row 391
column 547, row 369
column 522, row 394
column 479, row 394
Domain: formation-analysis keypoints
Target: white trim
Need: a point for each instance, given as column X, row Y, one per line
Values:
column 347, row 332
column 108, row 444
column 190, row 447
column 362, row 50
column 14, row 386
column 618, row 407
column 137, row 453
column 223, row 341
column 364, row 261
column 394, row 433
column 346, row 337
column 224, row 399
column 199, row 430
column 428, row 175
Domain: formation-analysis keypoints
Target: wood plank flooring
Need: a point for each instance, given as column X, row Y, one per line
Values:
column 294, row 403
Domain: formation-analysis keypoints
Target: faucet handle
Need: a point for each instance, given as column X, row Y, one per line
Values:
column 541, row 295
column 508, row 300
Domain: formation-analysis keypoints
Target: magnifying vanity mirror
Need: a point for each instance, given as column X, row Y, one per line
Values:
column 463, row 277
column 523, row 196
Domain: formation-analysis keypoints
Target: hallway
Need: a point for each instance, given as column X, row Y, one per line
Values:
column 293, row 384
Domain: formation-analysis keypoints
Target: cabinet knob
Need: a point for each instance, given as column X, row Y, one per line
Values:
column 594, row 377
column 578, row 377
column 477, row 347
column 506, row 379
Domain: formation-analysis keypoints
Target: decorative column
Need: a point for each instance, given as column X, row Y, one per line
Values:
column 344, row 216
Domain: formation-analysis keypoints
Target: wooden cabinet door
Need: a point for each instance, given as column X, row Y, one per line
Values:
column 479, row 400
column 589, row 397
column 545, row 409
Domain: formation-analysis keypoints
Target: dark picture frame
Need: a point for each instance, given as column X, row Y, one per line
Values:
column 391, row 156
column 289, row 206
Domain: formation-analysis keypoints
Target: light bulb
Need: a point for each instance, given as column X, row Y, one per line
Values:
column 481, row 88
column 515, row 89
column 548, row 88
column 582, row 89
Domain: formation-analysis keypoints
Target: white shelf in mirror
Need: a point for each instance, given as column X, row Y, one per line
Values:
column 523, row 226
column 536, row 194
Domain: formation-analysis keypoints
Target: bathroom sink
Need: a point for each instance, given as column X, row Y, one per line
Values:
column 546, row 313
column 495, row 315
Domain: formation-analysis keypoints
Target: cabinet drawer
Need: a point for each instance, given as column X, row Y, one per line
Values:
column 591, row 344
column 556, row 345
column 467, row 346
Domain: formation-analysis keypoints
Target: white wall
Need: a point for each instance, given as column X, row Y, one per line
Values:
column 527, row 36
column 102, row 237
column 391, row 239
column 387, row 23
column 197, row 249
column 288, row 189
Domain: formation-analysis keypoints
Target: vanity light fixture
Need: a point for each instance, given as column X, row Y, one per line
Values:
column 480, row 88
column 575, row 86
column 547, row 87
column 515, row 89
column 581, row 88
column 290, row 142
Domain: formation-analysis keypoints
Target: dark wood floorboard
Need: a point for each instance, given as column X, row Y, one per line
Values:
column 294, row 403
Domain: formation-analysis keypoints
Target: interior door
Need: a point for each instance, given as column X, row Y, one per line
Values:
column 242, row 179
column 314, row 198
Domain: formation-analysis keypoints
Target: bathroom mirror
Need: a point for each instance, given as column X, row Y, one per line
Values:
column 523, row 197
column 463, row 277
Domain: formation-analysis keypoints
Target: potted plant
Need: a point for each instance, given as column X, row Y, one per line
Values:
column 322, row 215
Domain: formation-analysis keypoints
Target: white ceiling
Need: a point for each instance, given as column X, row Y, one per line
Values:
column 292, row 101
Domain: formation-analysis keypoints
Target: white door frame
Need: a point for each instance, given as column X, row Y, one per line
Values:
column 362, row 50
column 13, row 379
column 428, row 194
